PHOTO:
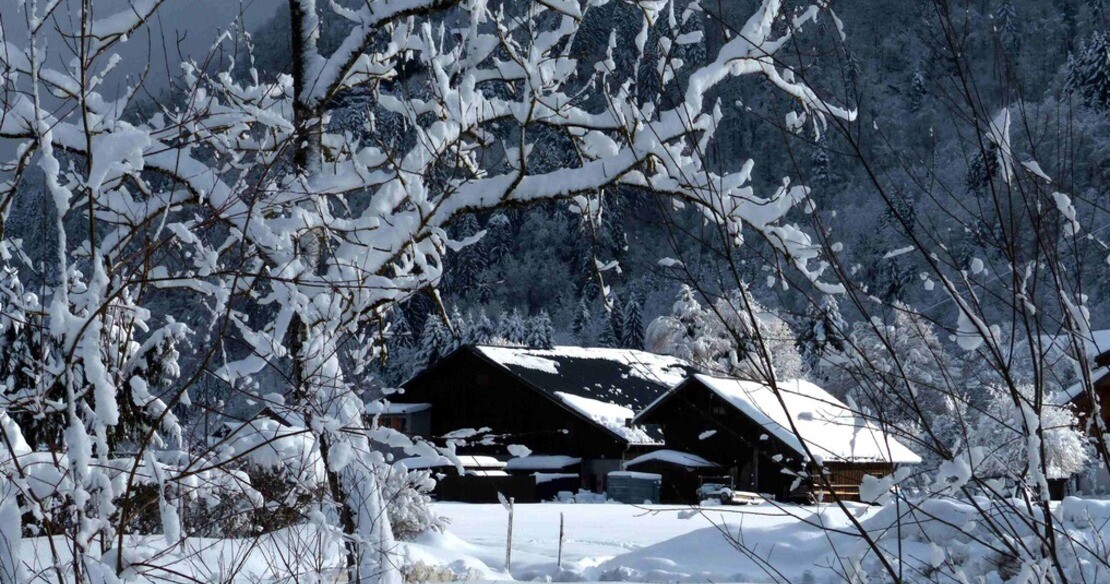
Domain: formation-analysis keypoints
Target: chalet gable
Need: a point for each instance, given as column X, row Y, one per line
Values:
column 825, row 426
column 603, row 387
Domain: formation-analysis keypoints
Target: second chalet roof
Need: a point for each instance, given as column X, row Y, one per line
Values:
column 607, row 386
column 827, row 427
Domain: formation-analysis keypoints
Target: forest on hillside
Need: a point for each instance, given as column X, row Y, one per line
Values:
column 904, row 203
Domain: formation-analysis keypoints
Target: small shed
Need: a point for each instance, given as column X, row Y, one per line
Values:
column 552, row 473
column 681, row 472
column 482, row 478
column 769, row 438
column 634, row 487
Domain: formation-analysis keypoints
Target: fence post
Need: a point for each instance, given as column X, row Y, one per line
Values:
column 559, row 565
column 509, row 539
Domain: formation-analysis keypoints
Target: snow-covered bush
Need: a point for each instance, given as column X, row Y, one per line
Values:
column 735, row 336
column 1000, row 435
column 407, row 494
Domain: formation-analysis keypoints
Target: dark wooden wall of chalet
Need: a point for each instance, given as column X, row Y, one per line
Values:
column 466, row 391
column 695, row 410
column 1083, row 403
column 841, row 473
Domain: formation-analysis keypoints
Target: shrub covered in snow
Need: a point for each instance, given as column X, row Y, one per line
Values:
column 408, row 501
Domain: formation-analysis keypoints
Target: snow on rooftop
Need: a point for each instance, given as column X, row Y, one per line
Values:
column 650, row 476
column 542, row 462
column 660, row 369
column 604, row 385
column 683, row 459
column 1094, row 344
column 395, row 408
column 824, row 423
column 468, row 461
column 1068, row 395
column 612, row 416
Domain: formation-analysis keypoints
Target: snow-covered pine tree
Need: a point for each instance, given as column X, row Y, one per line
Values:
column 469, row 262
column 434, row 342
column 1088, row 73
column 480, row 329
column 918, row 90
column 541, row 333
column 682, row 332
column 499, row 237
column 632, row 324
column 824, row 333
column 583, row 323
column 1006, row 24
column 615, row 316
column 608, row 337
column 512, row 329
column 820, row 167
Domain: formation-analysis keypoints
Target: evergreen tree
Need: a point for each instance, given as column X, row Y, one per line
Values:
column 583, row 320
column 1006, row 23
column 511, row 328
column 434, row 342
column 608, row 336
column 632, row 324
column 400, row 331
column 469, row 262
column 918, row 91
column 1088, row 75
column 616, row 321
column 456, row 337
column 819, row 166
column 541, row 333
column 824, row 331
column 499, row 237
column 480, row 330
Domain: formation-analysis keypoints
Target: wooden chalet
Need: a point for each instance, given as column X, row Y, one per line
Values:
column 1079, row 399
column 746, row 428
column 566, row 401
column 1098, row 351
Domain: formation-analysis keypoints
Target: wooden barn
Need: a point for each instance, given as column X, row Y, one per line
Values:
column 1078, row 398
column 743, row 427
column 566, row 401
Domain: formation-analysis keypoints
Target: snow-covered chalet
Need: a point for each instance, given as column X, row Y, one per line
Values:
column 572, row 407
column 767, row 441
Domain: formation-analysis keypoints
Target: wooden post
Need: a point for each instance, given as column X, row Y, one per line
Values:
column 559, row 565
column 509, row 539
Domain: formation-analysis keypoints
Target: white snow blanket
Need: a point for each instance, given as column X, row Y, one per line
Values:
column 827, row 427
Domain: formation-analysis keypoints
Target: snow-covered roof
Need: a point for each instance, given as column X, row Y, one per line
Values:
column 1070, row 394
column 825, row 425
column 606, row 386
column 542, row 462
column 683, row 459
column 1094, row 344
column 468, row 461
column 400, row 408
column 649, row 476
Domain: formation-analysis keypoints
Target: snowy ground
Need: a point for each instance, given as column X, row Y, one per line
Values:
column 612, row 542
column 656, row 543
column 765, row 543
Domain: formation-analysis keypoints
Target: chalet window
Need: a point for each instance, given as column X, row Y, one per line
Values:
column 719, row 410
column 399, row 423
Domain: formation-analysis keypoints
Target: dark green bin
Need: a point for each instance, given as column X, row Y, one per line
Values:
column 634, row 487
